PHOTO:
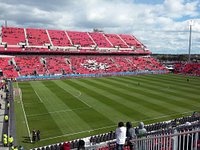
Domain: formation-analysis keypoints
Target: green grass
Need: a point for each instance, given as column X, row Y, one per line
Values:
column 68, row 109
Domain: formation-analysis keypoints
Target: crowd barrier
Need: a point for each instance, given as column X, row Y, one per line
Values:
column 43, row 77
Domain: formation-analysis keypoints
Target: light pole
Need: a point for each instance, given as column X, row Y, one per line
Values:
column 191, row 22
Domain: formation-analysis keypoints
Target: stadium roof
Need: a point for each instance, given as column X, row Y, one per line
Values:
column 162, row 25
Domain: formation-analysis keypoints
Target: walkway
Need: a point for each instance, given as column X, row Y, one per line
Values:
column 2, row 111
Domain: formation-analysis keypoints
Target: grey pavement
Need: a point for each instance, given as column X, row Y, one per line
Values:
column 2, row 111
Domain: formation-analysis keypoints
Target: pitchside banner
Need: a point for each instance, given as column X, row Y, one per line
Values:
column 22, row 78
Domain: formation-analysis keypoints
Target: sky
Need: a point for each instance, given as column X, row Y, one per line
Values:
column 162, row 25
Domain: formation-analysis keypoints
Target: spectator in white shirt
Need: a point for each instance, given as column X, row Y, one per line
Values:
column 120, row 134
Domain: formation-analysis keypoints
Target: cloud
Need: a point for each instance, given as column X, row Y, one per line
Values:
column 180, row 8
column 161, row 26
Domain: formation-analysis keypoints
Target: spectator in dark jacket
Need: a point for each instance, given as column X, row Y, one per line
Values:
column 130, row 134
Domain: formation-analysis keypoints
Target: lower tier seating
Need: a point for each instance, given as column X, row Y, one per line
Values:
column 7, row 67
column 58, row 65
column 189, row 68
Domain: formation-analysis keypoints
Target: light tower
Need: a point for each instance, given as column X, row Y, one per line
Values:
column 191, row 23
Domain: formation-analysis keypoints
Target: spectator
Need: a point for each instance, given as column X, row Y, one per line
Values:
column 81, row 145
column 21, row 148
column 66, row 146
column 6, row 118
column 10, row 140
column 8, row 105
column 33, row 135
column 120, row 135
column 38, row 135
column 140, row 134
column 5, row 141
column 141, row 130
column 130, row 134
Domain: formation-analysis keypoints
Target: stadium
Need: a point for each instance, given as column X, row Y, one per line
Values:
column 67, row 89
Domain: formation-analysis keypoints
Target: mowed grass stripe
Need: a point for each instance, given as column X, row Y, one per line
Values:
column 163, row 84
column 154, row 97
column 183, row 85
column 89, row 116
column 128, row 96
column 54, row 103
column 93, row 101
column 115, row 98
column 164, row 87
column 166, row 95
column 110, row 99
column 28, row 95
column 182, row 78
column 167, row 89
column 67, row 98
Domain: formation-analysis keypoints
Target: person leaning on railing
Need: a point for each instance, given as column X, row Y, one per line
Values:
column 130, row 135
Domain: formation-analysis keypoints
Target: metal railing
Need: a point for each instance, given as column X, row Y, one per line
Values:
column 179, row 140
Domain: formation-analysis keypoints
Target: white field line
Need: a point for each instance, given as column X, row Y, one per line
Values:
column 77, row 96
column 26, row 121
column 59, row 111
column 38, row 96
column 107, row 127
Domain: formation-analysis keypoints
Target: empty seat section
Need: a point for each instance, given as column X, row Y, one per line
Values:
column 131, row 40
column 30, row 65
column 2, row 49
column 115, row 40
column 99, row 64
column 35, row 49
column 13, row 36
column 90, row 64
column 37, row 37
column 80, row 38
column 14, row 49
column 189, row 69
column 59, row 38
column 100, row 40
column 7, row 68
column 57, row 65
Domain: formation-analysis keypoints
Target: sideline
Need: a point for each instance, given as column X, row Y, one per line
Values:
column 25, row 117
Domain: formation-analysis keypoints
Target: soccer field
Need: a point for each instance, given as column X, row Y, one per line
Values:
column 73, row 108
